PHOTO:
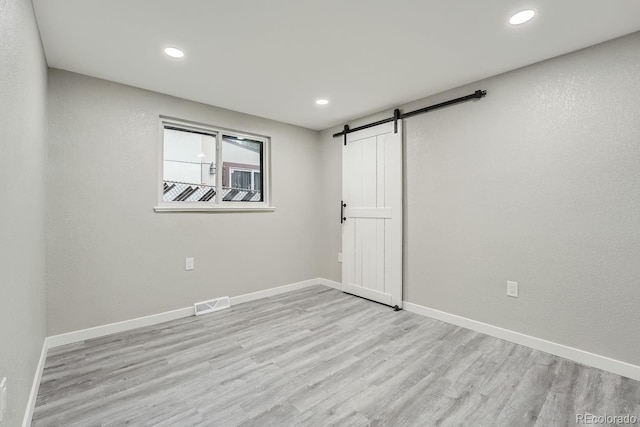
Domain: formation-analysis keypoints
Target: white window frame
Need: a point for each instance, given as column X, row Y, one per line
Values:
column 220, row 205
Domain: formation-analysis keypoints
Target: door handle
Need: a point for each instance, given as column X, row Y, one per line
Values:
column 342, row 206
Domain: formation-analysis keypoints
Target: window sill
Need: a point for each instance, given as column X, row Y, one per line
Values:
column 217, row 209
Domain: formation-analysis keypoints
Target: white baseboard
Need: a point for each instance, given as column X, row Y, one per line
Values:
column 330, row 283
column 112, row 328
column 33, row 396
column 273, row 291
column 584, row 357
column 154, row 319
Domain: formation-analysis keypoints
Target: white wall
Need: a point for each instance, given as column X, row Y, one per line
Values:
column 111, row 258
column 235, row 154
column 539, row 183
column 22, row 189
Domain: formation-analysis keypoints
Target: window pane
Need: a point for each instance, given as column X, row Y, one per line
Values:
column 189, row 167
column 241, row 179
column 242, row 160
column 181, row 172
column 257, row 181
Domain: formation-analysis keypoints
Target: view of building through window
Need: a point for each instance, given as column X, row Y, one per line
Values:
column 199, row 166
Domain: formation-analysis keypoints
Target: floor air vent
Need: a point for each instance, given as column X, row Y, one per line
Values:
column 210, row 306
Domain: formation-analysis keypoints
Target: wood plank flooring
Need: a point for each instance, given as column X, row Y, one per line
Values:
column 318, row 357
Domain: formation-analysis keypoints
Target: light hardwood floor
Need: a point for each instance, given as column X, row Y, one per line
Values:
column 318, row 357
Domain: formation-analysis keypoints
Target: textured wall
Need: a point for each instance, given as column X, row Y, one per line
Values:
column 537, row 183
column 111, row 258
column 23, row 79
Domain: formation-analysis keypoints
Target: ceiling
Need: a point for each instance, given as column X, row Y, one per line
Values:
column 275, row 58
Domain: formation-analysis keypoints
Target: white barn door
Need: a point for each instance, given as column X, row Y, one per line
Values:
column 372, row 224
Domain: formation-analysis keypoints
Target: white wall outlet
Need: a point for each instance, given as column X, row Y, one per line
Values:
column 3, row 398
column 339, row 256
column 512, row 289
column 189, row 264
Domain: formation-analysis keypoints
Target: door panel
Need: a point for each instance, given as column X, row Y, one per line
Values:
column 372, row 231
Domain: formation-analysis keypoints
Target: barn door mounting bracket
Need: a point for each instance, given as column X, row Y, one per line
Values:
column 345, row 131
column 396, row 117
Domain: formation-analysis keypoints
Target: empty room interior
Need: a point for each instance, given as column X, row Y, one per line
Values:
column 349, row 213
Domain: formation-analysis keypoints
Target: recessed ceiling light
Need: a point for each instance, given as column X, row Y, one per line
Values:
column 322, row 101
column 522, row 17
column 174, row 52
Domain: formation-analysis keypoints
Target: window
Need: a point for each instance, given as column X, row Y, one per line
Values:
column 241, row 179
column 204, row 168
column 246, row 179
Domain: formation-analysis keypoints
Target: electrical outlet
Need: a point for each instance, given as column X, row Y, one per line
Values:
column 339, row 256
column 189, row 264
column 3, row 397
column 512, row 289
